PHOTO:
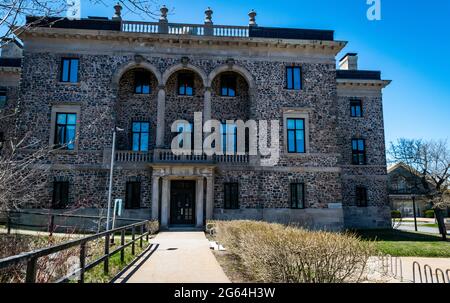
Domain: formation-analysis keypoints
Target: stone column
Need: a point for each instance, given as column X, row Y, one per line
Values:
column 209, row 197
column 165, row 202
column 155, row 198
column 207, row 105
column 199, row 203
column 161, row 117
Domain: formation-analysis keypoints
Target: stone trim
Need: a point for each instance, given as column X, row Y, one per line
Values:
column 64, row 108
column 122, row 69
column 297, row 113
column 231, row 68
column 332, row 47
column 184, row 66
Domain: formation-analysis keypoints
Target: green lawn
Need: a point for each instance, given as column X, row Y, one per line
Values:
column 407, row 244
column 96, row 274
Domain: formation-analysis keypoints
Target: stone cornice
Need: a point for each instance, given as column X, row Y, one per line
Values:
column 331, row 47
column 362, row 84
column 9, row 69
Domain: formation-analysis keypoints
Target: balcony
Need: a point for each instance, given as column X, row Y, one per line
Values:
column 166, row 156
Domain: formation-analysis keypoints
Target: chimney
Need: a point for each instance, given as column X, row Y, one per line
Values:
column 349, row 62
column 11, row 48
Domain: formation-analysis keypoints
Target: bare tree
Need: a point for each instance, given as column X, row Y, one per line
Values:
column 430, row 162
column 13, row 12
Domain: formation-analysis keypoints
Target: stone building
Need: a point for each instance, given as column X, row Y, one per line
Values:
column 81, row 79
column 10, row 63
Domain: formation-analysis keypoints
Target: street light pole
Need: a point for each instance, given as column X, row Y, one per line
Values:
column 108, row 210
column 414, row 209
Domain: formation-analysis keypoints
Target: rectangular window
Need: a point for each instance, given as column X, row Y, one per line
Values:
column 186, row 84
column 297, row 193
column 133, row 195
column 231, row 195
column 359, row 152
column 142, row 83
column 140, row 136
column 294, row 77
column 60, row 194
column 229, row 138
column 296, row 135
column 69, row 70
column 65, row 130
column 2, row 98
column 356, row 108
column 228, row 85
column 361, row 196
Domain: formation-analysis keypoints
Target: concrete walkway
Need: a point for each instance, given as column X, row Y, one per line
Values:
column 181, row 257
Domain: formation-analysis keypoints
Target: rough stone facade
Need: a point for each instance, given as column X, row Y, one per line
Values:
column 105, row 97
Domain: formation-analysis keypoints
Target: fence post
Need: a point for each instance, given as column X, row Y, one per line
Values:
column 132, row 239
column 82, row 262
column 122, row 243
column 142, row 236
column 52, row 225
column 106, row 262
column 31, row 271
column 148, row 230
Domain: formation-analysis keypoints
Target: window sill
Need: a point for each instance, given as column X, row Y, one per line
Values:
column 296, row 155
column 64, row 151
column 227, row 97
column 69, row 83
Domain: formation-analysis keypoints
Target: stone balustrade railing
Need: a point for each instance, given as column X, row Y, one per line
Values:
column 133, row 156
column 232, row 159
column 166, row 155
column 185, row 29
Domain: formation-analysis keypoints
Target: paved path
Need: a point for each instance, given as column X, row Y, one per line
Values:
column 181, row 257
column 420, row 228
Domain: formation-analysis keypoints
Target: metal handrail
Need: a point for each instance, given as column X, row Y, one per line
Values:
column 32, row 257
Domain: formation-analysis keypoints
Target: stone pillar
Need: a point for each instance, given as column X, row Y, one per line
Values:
column 165, row 202
column 161, row 117
column 199, row 203
column 209, row 197
column 207, row 105
column 155, row 198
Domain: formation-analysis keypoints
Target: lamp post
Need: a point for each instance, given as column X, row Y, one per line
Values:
column 414, row 211
column 113, row 151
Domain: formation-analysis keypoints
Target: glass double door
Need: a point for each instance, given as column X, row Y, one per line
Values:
column 182, row 202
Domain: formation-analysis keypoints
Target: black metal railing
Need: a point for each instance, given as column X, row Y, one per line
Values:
column 51, row 225
column 31, row 258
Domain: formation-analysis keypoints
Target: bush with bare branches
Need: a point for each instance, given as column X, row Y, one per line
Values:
column 283, row 254
column 49, row 268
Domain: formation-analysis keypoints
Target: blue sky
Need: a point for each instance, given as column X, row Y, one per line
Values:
column 410, row 45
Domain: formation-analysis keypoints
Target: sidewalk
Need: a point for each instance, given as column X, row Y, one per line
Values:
column 181, row 257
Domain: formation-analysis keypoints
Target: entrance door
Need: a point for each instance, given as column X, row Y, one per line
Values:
column 182, row 202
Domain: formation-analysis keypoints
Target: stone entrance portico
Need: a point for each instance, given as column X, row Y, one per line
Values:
column 163, row 174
